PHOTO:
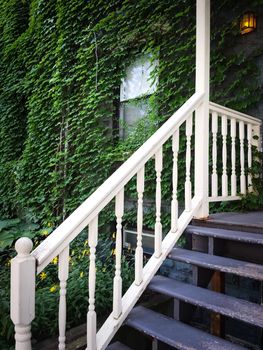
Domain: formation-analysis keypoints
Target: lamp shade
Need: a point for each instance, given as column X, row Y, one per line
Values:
column 248, row 22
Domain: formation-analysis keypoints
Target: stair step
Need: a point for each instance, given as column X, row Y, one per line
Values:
column 245, row 221
column 117, row 346
column 213, row 262
column 241, row 236
column 216, row 302
column 174, row 333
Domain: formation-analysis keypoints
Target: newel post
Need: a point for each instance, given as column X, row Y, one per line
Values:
column 202, row 112
column 23, row 272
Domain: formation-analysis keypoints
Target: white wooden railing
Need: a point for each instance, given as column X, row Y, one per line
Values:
column 236, row 132
column 26, row 265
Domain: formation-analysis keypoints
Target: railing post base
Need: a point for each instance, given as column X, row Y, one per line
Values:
column 23, row 271
column 201, row 159
column 23, row 337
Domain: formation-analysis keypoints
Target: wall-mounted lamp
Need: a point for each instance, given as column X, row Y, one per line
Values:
column 248, row 22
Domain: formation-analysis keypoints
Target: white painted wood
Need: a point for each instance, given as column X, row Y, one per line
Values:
column 117, row 284
column 22, row 300
column 214, row 154
column 158, row 225
column 202, row 46
column 155, row 343
column 79, row 219
column 139, row 248
column 188, row 184
column 174, row 204
column 224, row 157
column 253, row 126
column 242, row 158
column 111, row 326
column 233, row 158
column 223, row 199
column 249, row 157
column 63, row 268
column 231, row 113
column 92, row 317
column 202, row 112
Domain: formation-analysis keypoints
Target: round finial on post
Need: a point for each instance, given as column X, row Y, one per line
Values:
column 23, row 246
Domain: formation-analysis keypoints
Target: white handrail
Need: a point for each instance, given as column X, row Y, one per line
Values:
column 80, row 218
column 233, row 113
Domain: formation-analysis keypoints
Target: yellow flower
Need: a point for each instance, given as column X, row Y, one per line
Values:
column 85, row 252
column 113, row 252
column 49, row 224
column 86, row 242
column 53, row 289
column 114, row 235
column 44, row 233
column 55, row 260
column 8, row 263
column 81, row 274
column 43, row 276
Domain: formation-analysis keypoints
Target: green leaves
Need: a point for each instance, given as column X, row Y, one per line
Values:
column 60, row 69
column 12, row 229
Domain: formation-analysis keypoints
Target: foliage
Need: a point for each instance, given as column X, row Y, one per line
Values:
column 61, row 65
column 12, row 229
column 254, row 200
column 13, row 111
column 61, row 68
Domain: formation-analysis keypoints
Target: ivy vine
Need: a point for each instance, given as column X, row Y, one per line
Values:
column 60, row 69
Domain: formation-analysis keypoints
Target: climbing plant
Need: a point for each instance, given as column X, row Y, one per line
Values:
column 13, row 111
column 61, row 65
column 61, row 69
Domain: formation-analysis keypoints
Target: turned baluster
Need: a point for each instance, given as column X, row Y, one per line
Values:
column 214, row 155
column 139, row 249
column 188, row 185
column 233, row 158
column 63, row 268
column 117, row 283
column 224, row 156
column 158, row 225
column 92, row 317
column 174, row 205
column 242, row 158
column 249, row 157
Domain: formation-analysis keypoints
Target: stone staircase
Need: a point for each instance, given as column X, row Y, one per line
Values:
column 213, row 253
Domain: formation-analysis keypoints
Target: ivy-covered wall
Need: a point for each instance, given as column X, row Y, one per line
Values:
column 61, row 65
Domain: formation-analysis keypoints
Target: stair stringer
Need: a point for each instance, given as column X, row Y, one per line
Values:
column 111, row 325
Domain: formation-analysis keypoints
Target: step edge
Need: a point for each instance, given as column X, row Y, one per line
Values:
column 210, row 306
